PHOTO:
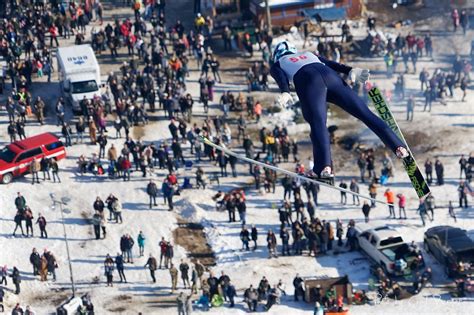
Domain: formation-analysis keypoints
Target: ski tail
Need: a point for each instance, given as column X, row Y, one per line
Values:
column 227, row 151
column 416, row 177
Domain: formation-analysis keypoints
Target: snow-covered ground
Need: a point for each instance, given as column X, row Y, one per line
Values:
column 452, row 125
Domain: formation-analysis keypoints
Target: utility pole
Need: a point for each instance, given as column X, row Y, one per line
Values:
column 64, row 201
column 268, row 17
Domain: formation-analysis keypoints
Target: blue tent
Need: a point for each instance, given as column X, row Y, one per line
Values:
column 326, row 14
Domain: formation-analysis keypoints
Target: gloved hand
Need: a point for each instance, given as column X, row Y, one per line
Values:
column 285, row 100
column 358, row 74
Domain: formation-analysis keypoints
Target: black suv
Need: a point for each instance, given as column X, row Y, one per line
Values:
column 453, row 248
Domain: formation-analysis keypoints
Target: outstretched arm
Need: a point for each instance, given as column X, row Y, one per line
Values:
column 280, row 77
column 338, row 67
column 355, row 74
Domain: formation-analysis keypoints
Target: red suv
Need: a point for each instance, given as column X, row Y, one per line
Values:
column 15, row 158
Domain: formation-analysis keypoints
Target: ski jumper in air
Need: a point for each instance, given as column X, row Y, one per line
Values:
column 316, row 82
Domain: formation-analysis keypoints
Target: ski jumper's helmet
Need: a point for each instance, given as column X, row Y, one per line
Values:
column 283, row 48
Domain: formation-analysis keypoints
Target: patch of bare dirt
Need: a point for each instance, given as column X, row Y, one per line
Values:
column 191, row 236
column 124, row 297
column 119, row 309
column 53, row 299
column 138, row 132
column 420, row 10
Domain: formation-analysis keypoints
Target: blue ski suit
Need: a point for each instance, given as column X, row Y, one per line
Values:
column 316, row 82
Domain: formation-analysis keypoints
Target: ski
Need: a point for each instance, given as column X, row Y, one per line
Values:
column 416, row 177
column 227, row 151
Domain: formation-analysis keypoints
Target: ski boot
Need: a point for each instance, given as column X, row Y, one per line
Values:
column 402, row 153
column 326, row 175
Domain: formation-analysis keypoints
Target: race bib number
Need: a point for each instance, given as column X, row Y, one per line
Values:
column 292, row 63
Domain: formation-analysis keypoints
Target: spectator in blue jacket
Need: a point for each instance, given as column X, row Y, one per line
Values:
column 168, row 191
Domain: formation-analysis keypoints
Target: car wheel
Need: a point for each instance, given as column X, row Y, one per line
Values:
column 7, row 178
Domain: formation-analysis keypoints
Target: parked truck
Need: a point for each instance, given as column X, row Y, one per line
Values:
column 386, row 247
column 79, row 75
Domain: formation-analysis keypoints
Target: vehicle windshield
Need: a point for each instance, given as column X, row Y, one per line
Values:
column 84, row 87
column 391, row 241
column 7, row 155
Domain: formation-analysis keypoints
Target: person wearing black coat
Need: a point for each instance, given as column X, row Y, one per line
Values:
column 439, row 169
column 18, row 219
column 244, row 237
column 233, row 161
column 41, row 221
column 152, row 191
column 298, row 284
column 429, row 171
column 215, row 69
column 254, row 235
column 110, row 201
column 177, row 151
column 96, row 222
column 16, row 278
column 129, row 242
column 102, row 141
column 120, row 267
column 173, row 130
column 222, row 160
column 161, row 156
column 285, row 239
column 366, row 210
column 12, row 131
column 35, row 260
column 152, row 266
column 224, row 281
column 284, row 212
column 99, row 206
column 230, row 206
column 67, row 132
column 231, row 293
column 20, row 202
column 213, row 285
column 343, row 185
column 123, row 244
column 242, row 209
column 52, row 263
column 263, row 289
column 45, row 164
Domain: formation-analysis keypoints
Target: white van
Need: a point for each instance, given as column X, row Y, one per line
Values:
column 79, row 75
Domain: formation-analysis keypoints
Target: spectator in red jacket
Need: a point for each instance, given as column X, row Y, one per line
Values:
column 401, row 206
column 53, row 31
column 126, row 166
column 124, row 30
column 420, row 45
column 411, row 41
column 172, row 179
column 163, row 248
